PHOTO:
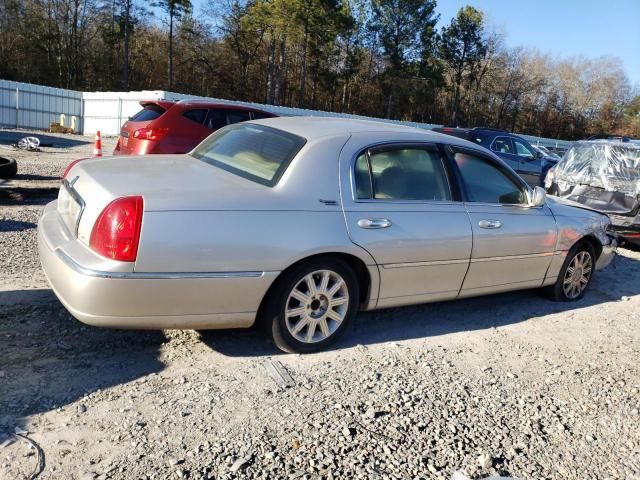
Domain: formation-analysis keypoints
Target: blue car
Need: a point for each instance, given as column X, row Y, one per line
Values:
column 514, row 150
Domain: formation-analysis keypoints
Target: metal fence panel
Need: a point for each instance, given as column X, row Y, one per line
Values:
column 23, row 105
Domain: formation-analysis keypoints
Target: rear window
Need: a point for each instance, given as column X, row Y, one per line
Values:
column 148, row 113
column 255, row 152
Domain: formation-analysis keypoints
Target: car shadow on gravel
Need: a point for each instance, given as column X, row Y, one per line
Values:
column 15, row 226
column 435, row 319
column 49, row 359
column 20, row 196
column 11, row 137
column 29, row 176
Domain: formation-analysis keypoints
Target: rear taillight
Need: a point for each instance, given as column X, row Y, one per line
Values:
column 70, row 166
column 150, row 133
column 116, row 233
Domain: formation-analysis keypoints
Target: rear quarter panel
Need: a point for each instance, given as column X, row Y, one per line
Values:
column 278, row 227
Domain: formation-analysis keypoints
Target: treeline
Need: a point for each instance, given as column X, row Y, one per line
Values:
column 383, row 58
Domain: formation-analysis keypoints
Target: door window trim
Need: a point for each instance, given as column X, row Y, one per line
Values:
column 384, row 146
column 524, row 187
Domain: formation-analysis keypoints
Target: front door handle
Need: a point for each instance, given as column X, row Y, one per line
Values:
column 489, row 223
column 374, row 223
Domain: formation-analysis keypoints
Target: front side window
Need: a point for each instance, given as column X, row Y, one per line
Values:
column 255, row 152
column 237, row 116
column 486, row 182
column 259, row 115
column 522, row 150
column 502, row 145
column 401, row 174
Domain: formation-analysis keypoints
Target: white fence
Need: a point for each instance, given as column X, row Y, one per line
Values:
column 23, row 105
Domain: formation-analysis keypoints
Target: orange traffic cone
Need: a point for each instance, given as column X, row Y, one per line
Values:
column 97, row 148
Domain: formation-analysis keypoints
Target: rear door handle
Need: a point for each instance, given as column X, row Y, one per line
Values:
column 374, row 223
column 489, row 223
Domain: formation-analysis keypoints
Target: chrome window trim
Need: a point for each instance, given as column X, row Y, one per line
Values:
column 387, row 201
column 76, row 196
column 498, row 163
column 68, row 261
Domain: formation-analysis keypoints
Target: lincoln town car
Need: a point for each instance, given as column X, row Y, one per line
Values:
column 300, row 223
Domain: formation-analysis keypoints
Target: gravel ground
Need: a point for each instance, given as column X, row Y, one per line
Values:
column 509, row 384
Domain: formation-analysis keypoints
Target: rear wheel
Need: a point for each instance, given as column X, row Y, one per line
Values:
column 312, row 306
column 575, row 275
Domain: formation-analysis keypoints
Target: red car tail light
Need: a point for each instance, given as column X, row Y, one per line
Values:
column 116, row 233
column 150, row 133
column 69, row 167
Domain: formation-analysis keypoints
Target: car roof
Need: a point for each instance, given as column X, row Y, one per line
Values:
column 210, row 104
column 318, row 127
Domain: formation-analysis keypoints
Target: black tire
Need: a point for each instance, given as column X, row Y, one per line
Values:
column 557, row 291
column 8, row 167
column 280, row 299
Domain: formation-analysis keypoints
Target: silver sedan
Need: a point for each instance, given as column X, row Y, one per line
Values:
column 302, row 222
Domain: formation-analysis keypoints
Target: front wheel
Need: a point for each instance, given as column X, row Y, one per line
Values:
column 575, row 275
column 312, row 306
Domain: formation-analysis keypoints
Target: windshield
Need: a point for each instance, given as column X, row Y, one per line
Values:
column 612, row 166
column 255, row 152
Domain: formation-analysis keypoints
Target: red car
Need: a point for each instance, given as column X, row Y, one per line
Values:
column 177, row 127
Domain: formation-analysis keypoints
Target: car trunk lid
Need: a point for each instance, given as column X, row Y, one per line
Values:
column 167, row 182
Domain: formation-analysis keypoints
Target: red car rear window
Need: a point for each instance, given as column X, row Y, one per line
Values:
column 148, row 113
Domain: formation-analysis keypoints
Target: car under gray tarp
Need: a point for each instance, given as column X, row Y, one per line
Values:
column 604, row 176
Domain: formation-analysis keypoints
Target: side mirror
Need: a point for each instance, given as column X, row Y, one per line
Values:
column 537, row 197
column 539, row 155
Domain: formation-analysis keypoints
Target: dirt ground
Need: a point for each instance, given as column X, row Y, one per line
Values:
column 510, row 384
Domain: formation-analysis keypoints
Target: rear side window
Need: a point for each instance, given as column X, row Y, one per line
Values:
column 485, row 182
column 502, row 145
column 237, row 116
column 197, row 115
column 148, row 113
column 255, row 152
column 401, row 174
column 216, row 119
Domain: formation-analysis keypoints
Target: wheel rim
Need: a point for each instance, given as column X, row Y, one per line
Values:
column 316, row 306
column 578, row 274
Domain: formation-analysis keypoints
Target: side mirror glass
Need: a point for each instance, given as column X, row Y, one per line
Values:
column 537, row 197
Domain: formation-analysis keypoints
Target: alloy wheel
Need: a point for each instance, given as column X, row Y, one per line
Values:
column 316, row 306
column 578, row 274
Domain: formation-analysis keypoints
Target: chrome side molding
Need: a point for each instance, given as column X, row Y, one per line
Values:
column 152, row 275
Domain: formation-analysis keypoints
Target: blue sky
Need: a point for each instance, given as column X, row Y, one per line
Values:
column 562, row 28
